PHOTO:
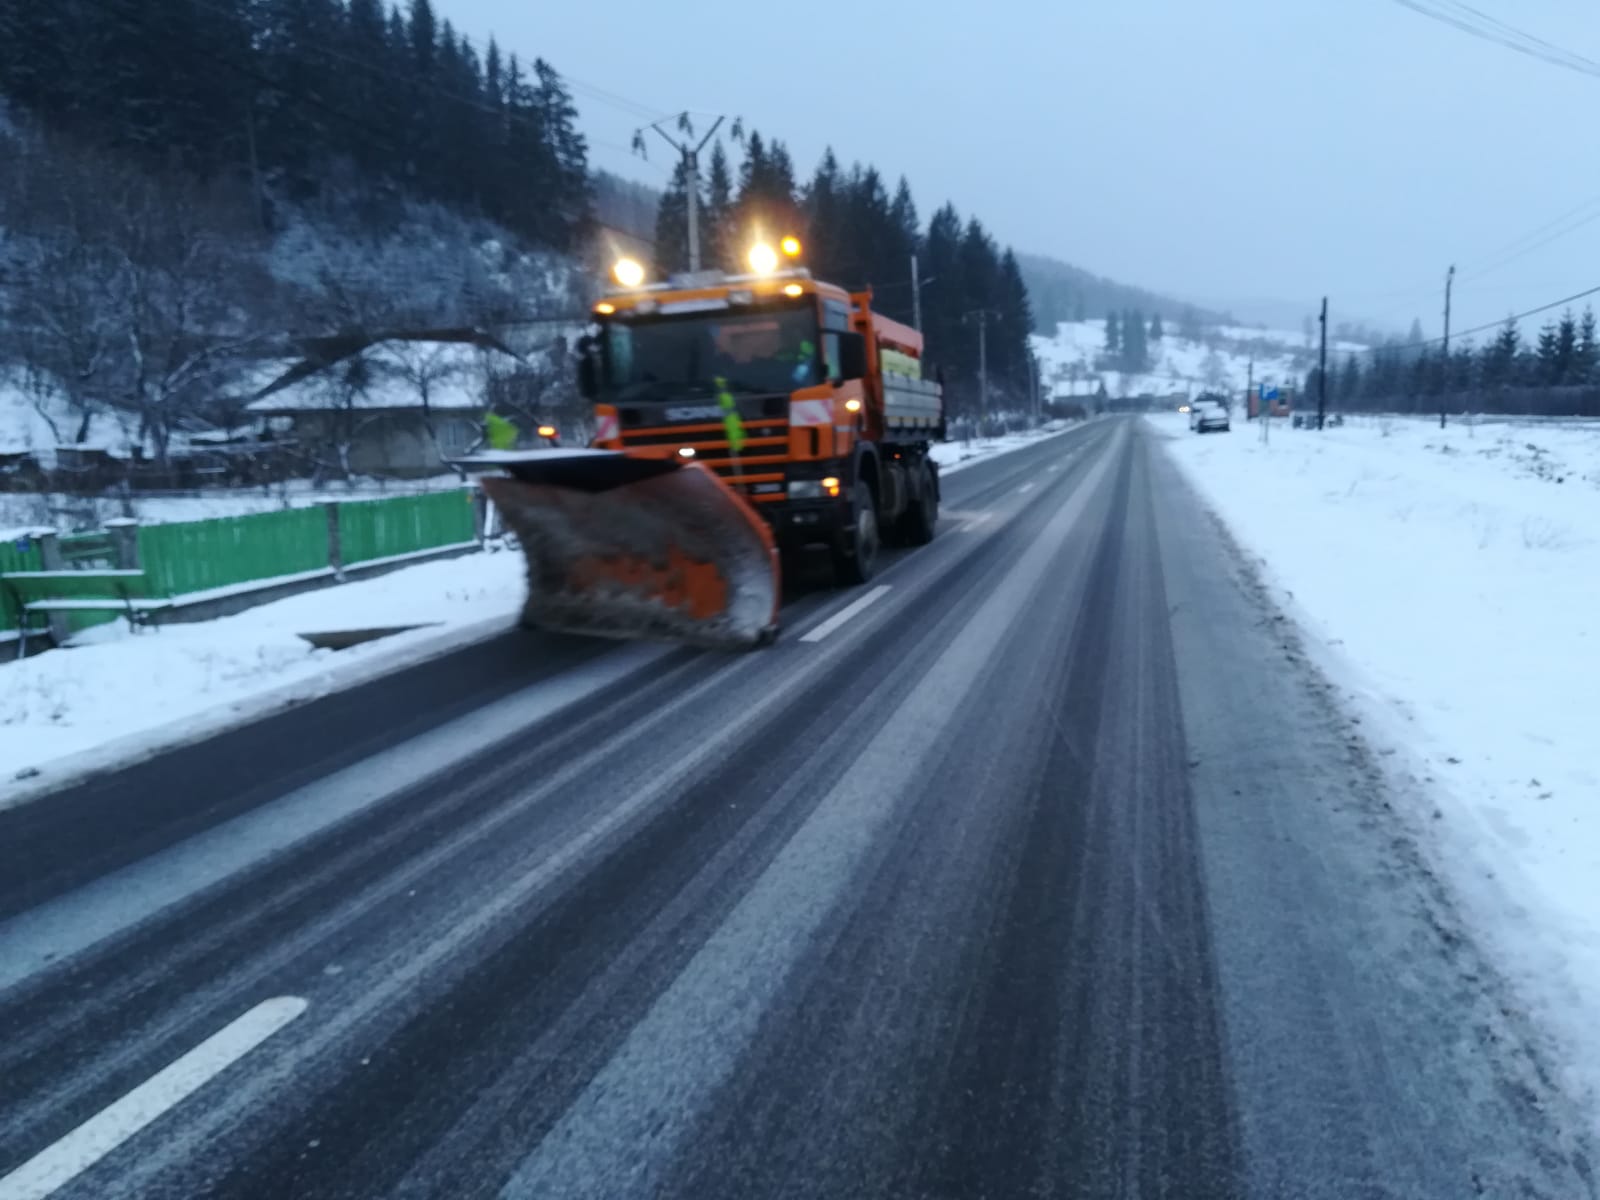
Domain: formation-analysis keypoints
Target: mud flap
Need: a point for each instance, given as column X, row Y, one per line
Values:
column 637, row 548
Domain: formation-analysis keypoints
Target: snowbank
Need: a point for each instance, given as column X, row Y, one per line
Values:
column 120, row 697
column 958, row 456
column 1451, row 578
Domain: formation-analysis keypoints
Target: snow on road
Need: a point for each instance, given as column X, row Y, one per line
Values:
column 1450, row 579
column 119, row 697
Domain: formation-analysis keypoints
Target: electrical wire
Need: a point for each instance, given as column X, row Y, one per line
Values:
column 1478, row 24
column 1466, row 333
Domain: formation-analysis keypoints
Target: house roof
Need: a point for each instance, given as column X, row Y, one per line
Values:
column 386, row 375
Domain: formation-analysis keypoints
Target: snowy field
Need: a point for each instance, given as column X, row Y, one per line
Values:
column 1450, row 583
column 1224, row 360
column 117, row 697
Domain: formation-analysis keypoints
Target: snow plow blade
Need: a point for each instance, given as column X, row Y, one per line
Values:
column 626, row 547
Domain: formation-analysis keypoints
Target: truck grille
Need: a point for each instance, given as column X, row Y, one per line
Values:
column 758, row 471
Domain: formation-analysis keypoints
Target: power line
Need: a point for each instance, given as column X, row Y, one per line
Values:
column 1478, row 24
column 1541, row 243
column 1586, row 214
column 1532, row 312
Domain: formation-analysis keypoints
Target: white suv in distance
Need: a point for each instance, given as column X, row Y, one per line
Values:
column 1206, row 415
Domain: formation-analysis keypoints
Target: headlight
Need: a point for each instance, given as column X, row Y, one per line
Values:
column 805, row 489
column 763, row 259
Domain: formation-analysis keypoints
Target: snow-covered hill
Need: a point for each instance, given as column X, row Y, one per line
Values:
column 1074, row 362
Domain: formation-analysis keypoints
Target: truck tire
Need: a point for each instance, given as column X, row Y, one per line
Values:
column 922, row 514
column 855, row 556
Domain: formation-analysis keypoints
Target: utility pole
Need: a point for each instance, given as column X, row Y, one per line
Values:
column 1033, row 379
column 690, row 150
column 916, row 297
column 1444, row 392
column 1322, row 369
column 982, row 315
column 983, row 364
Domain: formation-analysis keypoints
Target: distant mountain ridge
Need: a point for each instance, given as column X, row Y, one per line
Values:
column 1061, row 292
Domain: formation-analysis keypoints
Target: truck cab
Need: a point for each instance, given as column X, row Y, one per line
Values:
column 805, row 402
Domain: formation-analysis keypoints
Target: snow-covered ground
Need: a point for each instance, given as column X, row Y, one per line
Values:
column 119, row 697
column 1449, row 582
column 1220, row 361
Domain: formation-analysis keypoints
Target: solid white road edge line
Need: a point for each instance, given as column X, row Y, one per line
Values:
column 833, row 622
column 60, row 1163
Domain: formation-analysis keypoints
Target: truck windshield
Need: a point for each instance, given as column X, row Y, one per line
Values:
column 774, row 350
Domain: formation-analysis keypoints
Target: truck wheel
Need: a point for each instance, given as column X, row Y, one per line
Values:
column 856, row 559
column 922, row 515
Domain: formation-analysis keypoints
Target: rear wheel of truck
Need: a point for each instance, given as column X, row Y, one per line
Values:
column 922, row 515
column 856, row 559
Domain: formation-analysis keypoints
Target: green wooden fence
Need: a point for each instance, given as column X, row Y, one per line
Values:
column 384, row 528
column 20, row 555
column 196, row 555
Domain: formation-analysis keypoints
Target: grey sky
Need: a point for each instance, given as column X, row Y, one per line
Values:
column 1221, row 151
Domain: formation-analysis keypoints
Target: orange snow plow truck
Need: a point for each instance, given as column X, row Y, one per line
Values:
column 740, row 422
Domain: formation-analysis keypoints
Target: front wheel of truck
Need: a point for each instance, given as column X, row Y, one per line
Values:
column 855, row 557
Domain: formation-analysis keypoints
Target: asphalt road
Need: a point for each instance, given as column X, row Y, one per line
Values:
column 1050, row 870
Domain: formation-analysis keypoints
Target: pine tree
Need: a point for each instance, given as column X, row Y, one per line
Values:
column 826, row 235
column 1463, row 368
column 904, row 243
column 672, row 224
column 568, row 196
column 1566, row 349
column 1349, row 384
column 942, row 308
column 1135, row 349
column 1587, row 358
column 1548, row 353
column 1156, row 331
column 1015, row 325
column 1500, row 357
column 1114, row 336
column 717, row 235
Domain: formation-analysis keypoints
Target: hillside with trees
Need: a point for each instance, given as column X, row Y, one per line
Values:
column 195, row 191
column 1061, row 292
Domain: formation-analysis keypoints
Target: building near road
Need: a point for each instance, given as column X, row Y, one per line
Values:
column 396, row 407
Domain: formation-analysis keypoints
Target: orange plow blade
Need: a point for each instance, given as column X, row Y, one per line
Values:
column 637, row 548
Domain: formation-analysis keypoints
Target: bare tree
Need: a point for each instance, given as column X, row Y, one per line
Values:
column 128, row 293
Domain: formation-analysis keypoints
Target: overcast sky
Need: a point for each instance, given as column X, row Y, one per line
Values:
column 1221, row 151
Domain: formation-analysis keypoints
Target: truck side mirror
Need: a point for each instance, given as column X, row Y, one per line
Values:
column 588, row 373
column 852, row 356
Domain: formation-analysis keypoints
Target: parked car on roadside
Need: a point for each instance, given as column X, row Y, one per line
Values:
column 1206, row 415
